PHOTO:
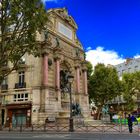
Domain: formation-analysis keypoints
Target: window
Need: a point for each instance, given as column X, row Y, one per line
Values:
column 21, row 77
column 136, row 68
column 20, row 97
column 4, row 82
column 15, row 96
column 123, row 71
column 129, row 69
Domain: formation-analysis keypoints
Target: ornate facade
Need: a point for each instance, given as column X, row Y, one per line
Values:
column 34, row 92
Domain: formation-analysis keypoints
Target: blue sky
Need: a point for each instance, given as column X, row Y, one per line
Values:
column 108, row 29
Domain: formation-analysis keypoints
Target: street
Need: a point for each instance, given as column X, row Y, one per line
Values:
column 67, row 136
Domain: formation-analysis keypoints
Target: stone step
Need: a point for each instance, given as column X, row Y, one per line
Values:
column 92, row 122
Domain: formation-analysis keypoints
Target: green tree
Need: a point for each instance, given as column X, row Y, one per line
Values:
column 131, row 82
column 89, row 75
column 89, row 70
column 104, row 85
column 20, row 20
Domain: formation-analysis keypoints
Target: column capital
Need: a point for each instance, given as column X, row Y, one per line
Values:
column 57, row 57
column 57, row 49
column 84, row 69
column 77, row 63
column 77, row 60
column 77, row 66
column 45, row 53
column 84, row 65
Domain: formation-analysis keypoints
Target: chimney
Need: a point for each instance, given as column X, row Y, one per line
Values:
column 128, row 60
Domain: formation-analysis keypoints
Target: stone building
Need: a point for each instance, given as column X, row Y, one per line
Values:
column 34, row 92
column 131, row 65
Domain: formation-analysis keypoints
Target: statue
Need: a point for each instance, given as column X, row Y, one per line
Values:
column 76, row 110
column 46, row 34
column 57, row 42
column 105, row 109
column 84, row 56
column 63, row 79
column 105, row 114
column 77, row 52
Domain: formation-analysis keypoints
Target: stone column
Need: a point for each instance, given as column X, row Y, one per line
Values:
column 78, row 79
column 57, row 81
column 85, row 82
column 45, row 69
column 44, row 90
column 0, row 118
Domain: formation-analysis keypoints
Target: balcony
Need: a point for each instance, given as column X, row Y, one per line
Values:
column 19, row 97
column 4, row 87
column 20, row 85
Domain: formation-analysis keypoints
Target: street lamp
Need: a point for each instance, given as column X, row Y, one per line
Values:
column 0, row 5
column 70, row 80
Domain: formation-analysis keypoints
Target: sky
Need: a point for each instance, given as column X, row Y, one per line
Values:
column 109, row 30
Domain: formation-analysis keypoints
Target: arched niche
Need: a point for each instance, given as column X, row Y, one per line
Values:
column 65, row 69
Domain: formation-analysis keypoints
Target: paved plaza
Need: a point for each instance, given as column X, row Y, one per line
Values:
column 67, row 136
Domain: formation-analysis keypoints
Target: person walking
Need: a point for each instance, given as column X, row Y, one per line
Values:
column 130, row 123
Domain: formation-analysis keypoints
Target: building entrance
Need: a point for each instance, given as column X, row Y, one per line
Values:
column 19, row 119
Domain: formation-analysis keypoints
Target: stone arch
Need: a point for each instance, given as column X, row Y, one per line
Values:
column 65, row 65
column 65, row 68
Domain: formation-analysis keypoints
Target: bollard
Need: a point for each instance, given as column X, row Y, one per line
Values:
column 57, row 126
column 32, row 128
column 10, row 127
column 20, row 128
column 45, row 127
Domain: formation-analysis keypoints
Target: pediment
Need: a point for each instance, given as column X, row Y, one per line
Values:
column 63, row 13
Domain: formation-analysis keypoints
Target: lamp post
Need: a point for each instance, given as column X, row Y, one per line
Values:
column 70, row 80
column 0, row 5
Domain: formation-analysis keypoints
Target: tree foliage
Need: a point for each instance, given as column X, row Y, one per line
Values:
column 19, row 22
column 131, row 82
column 104, row 85
column 89, row 70
column 89, row 74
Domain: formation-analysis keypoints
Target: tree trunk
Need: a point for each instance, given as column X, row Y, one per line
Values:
column 98, row 112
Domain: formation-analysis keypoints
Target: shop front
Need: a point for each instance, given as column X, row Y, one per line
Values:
column 18, row 114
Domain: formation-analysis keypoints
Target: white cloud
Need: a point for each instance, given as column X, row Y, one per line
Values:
column 89, row 48
column 137, row 56
column 99, row 55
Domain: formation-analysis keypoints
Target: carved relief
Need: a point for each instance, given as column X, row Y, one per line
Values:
column 50, row 24
column 57, row 42
column 77, row 52
column 64, row 14
column 78, row 43
column 48, row 37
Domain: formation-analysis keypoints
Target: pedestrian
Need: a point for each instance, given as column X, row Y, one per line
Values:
column 130, row 123
column 133, row 118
